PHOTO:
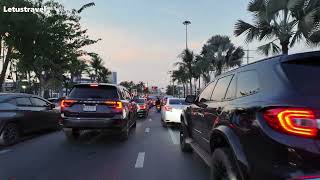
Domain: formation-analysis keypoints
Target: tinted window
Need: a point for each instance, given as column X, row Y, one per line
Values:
column 304, row 75
column 103, row 92
column 23, row 102
column 207, row 92
column 221, row 88
column 231, row 92
column 247, row 83
column 139, row 100
column 178, row 102
column 38, row 102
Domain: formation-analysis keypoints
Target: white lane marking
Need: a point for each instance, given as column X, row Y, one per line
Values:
column 173, row 137
column 147, row 130
column 150, row 120
column 5, row 151
column 140, row 160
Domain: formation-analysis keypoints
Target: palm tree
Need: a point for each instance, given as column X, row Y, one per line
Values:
column 103, row 75
column 96, row 64
column 203, row 66
column 181, row 76
column 222, row 53
column 284, row 21
column 188, row 60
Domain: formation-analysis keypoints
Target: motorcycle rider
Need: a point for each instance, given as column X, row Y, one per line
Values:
column 158, row 103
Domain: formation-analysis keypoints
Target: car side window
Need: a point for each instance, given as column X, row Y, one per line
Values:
column 207, row 92
column 38, row 102
column 23, row 101
column 221, row 88
column 12, row 101
column 231, row 92
column 248, row 83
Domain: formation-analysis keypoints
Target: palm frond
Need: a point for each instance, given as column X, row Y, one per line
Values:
column 250, row 31
column 86, row 6
column 268, row 48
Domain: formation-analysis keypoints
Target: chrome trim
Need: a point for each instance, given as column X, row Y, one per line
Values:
column 205, row 139
column 197, row 130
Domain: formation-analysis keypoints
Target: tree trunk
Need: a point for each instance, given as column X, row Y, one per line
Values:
column 199, row 84
column 5, row 67
column 184, row 90
column 190, row 82
column 285, row 47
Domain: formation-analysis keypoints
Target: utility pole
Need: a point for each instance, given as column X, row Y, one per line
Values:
column 247, row 55
column 186, row 23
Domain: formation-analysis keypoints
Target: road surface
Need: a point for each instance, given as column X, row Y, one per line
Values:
column 151, row 153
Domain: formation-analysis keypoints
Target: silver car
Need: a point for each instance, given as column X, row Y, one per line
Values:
column 172, row 109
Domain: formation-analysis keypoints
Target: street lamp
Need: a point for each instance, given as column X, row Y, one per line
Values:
column 24, row 88
column 186, row 23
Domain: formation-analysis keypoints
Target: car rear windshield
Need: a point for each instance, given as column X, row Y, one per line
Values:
column 139, row 100
column 178, row 102
column 98, row 92
column 304, row 75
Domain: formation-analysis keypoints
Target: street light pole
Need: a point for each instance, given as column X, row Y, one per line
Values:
column 186, row 23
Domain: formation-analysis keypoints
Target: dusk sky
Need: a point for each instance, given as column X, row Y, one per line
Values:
column 141, row 39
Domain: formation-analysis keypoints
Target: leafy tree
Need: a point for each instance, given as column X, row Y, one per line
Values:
column 15, row 28
column 222, row 53
column 128, row 84
column 284, row 21
column 172, row 90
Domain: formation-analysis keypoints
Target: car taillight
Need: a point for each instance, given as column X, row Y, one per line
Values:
column 142, row 106
column 295, row 121
column 167, row 108
column 316, row 177
column 115, row 104
column 67, row 103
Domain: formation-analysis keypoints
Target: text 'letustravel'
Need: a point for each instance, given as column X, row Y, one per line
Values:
column 23, row 9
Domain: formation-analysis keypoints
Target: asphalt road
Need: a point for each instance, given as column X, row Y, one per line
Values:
column 151, row 153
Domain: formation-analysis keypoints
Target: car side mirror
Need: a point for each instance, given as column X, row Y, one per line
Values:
column 191, row 99
column 52, row 106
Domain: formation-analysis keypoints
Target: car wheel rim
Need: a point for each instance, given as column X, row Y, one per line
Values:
column 10, row 134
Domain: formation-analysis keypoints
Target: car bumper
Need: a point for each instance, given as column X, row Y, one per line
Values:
column 172, row 117
column 93, row 123
column 142, row 112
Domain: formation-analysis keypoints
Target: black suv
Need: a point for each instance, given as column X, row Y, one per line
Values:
column 260, row 121
column 98, row 106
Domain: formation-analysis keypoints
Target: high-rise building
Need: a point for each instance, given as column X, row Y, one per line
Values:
column 113, row 78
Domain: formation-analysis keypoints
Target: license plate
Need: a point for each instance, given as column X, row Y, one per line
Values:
column 89, row 108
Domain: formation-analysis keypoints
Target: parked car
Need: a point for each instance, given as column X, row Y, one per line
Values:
column 142, row 107
column 56, row 102
column 171, row 110
column 260, row 121
column 24, row 113
column 98, row 106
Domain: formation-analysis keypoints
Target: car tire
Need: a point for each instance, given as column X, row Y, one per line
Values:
column 223, row 165
column 185, row 147
column 9, row 135
column 72, row 134
column 164, row 124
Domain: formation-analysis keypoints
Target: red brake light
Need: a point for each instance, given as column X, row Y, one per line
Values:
column 295, row 121
column 115, row 104
column 94, row 85
column 142, row 106
column 307, row 177
column 67, row 103
column 167, row 108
